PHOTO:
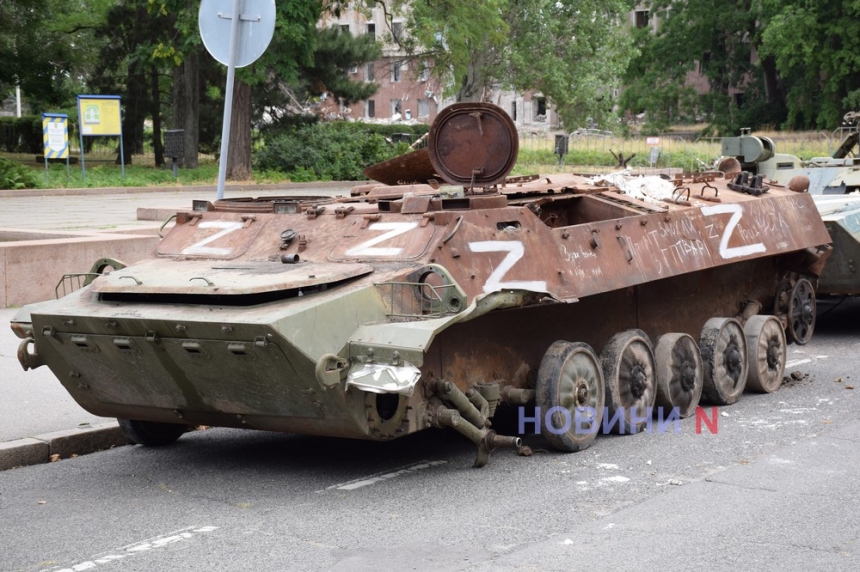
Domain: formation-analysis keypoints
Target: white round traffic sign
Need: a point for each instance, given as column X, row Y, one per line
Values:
column 256, row 28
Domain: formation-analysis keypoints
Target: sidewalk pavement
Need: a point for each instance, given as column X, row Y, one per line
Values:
column 39, row 421
column 110, row 209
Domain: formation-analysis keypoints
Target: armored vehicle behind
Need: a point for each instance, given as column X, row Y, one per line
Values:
column 834, row 183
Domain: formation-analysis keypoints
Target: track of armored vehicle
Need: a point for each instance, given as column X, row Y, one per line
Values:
column 433, row 302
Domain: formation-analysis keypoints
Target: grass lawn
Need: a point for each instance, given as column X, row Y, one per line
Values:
column 104, row 172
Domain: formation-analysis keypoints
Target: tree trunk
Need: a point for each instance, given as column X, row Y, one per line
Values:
column 472, row 86
column 157, row 145
column 775, row 97
column 186, row 105
column 136, row 104
column 239, row 159
column 134, row 114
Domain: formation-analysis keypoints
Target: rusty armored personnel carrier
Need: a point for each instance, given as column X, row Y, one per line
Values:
column 433, row 302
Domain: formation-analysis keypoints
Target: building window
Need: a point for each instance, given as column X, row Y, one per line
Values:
column 397, row 30
column 423, row 108
column 344, row 28
column 424, row 75
column 369, row 72
column 396, row 71
column 396, row 107
column 705, row 64
column 514, row 110
column 353, row 69
column 540, row 109
column 371, row 29
column 370, row 111
column 641, row 18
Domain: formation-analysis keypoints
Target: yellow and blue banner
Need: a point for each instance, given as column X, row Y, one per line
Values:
column 55, row 135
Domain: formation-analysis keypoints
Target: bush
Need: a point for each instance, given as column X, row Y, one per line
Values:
column 326, row 151
column 21, row 134
column 384, row 129
column 15, row 176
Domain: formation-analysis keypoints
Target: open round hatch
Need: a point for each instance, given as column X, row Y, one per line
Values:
column 473, row 144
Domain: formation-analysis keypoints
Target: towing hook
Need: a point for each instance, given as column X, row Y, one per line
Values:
column 27, row 359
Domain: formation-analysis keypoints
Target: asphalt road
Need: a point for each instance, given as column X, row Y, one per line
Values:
column 774, row 489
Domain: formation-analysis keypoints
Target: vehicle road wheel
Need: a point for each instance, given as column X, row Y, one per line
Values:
column 724, row 357
column 801, row 312
column 628, row 371
column 680, row 374
column 151, row 433
column 766, row 353
column 570, row 383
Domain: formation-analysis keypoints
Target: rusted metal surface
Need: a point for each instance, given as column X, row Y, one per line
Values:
column 403, row 308
column 414, row 167
column 473, row 144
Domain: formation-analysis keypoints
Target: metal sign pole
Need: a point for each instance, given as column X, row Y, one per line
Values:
column 228, row 100
column 247, row 43
column 81, row 133
column 122, row 156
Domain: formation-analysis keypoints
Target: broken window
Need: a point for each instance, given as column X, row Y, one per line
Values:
column 371, row 29
column 397, row 30
column 369, row 72
column 540, row 109
column 396, row 69
column 344, row 28
column 705, row 63
column 396, row 107
column 641, row 18
column 424, row 75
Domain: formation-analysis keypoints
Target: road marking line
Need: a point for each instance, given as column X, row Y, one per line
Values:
column 373, row 479
column 137, row 547
column 797, row 362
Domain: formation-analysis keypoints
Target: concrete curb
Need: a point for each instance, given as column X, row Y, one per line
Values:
column 65, row 444
column 6, row 194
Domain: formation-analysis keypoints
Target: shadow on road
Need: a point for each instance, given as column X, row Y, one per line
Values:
column 838, row 315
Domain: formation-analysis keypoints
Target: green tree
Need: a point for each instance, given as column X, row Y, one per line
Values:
column 815, row 45
column 327, row 72
column 181, row 51
column 46, row 46
column 717, row 40
column 131, row 63
column 572, row 51
column 300, row 57
column 767, row 62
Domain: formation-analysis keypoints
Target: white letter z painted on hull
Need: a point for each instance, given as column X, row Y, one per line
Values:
column 515, row 251
column 737, row 212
